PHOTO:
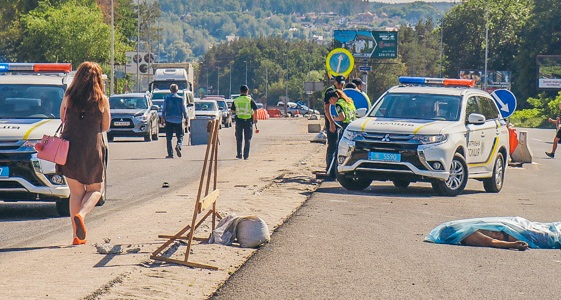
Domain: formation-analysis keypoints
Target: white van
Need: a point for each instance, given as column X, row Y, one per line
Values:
column 29, row 108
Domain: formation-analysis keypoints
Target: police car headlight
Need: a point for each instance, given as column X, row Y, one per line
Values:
column 430, row 138
column 29, row 145
column 352, row 135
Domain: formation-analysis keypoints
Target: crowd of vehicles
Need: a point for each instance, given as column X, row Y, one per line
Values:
column 443, row 134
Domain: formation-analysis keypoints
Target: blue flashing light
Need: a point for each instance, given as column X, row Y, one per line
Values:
column 36, row 67
column 437, row 81
column 411, row 80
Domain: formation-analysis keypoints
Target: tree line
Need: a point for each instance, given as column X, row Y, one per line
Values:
column 431, row 42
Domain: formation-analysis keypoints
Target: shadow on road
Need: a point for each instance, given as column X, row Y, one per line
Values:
column 25, row 211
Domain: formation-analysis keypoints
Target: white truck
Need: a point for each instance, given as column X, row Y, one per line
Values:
column 30, row 98
column 174, row 73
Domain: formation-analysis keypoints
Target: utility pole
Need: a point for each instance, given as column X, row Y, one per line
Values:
column 112, row 84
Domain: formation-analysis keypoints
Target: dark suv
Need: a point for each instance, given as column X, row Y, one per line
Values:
column 133, row 115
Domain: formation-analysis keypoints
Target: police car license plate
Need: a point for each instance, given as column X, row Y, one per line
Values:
column 382, row 156
column 4, row 171
column 121, row 123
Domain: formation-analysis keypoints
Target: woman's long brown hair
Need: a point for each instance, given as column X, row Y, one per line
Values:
column 344, row 96
column 86, row 90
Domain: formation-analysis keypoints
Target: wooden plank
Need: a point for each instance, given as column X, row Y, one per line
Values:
column 185, row 263
column 209, row 199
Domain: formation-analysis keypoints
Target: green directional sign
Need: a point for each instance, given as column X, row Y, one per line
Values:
column 367, row 44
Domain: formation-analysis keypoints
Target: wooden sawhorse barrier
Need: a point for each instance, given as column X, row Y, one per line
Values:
column 201, row 205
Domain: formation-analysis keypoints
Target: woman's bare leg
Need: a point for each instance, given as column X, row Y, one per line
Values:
column 83, row 199
column 77, row 192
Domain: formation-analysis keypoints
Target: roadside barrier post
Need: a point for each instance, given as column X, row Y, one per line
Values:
column 208, row 204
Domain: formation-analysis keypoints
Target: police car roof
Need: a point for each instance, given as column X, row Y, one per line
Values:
column 33, row 79
column 437, row 90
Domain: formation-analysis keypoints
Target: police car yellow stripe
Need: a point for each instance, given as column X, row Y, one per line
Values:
column 419, row 128
column 26, row 135
column 491, row 155
column 364, row 123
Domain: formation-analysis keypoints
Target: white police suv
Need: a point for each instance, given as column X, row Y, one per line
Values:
column 441, row 131
column 30, row 98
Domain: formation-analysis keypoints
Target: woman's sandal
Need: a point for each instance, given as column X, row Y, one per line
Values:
column 80, row 227
column 78, row 241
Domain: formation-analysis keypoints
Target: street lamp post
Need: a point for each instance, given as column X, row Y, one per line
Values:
column 230, row 80
column 245, row 61
column 441, row 35
column 486, row 45
column 111, row 86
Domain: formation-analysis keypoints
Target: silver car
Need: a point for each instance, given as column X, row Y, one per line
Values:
column 133, row 115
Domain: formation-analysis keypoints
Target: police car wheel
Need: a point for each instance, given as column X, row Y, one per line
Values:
column 353, row 183
column 456, row 182
column 401, row 183
column 494, row 184
column 63, row 208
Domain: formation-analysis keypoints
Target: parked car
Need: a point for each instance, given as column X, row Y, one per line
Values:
column 226, row 113
column 293, row 109
column 208, row 109
column 158, row 97
column 133, row 115
column 427, row 129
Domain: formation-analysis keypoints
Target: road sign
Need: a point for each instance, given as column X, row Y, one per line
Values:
column 506, row 101
column 365, row 68
column 339, row 62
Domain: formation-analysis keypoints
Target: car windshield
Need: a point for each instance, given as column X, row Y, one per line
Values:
column 164, row 85
column 418, row 106
column 163, row 95
column 222, row 105
column 128, row 103
column 205, row 106
column 30, row 101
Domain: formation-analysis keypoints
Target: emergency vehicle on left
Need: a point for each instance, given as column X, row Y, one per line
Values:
column 30, row 98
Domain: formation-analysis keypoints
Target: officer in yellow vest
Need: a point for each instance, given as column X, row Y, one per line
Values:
column 246, row 114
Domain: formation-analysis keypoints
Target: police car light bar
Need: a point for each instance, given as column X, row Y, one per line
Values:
column 36, row 67
column 437, row 81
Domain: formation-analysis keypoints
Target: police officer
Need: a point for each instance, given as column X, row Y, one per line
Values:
column 330, row 128
column 246, row 114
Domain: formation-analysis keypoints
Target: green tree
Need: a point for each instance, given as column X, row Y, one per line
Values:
column 68, row 33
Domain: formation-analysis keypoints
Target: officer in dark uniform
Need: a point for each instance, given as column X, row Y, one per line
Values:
column 246, row 114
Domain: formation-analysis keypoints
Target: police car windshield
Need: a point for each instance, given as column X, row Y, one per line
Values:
column 128, row 103
column 418, row 106
column 30, row 101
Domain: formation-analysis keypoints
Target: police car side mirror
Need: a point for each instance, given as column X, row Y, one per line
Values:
column 476, row 119
column 361, row 112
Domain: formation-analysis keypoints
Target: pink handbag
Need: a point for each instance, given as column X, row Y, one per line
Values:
column 53, row 148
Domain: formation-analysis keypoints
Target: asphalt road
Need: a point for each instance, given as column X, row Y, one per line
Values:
column 369, row 245
column 135, row 174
